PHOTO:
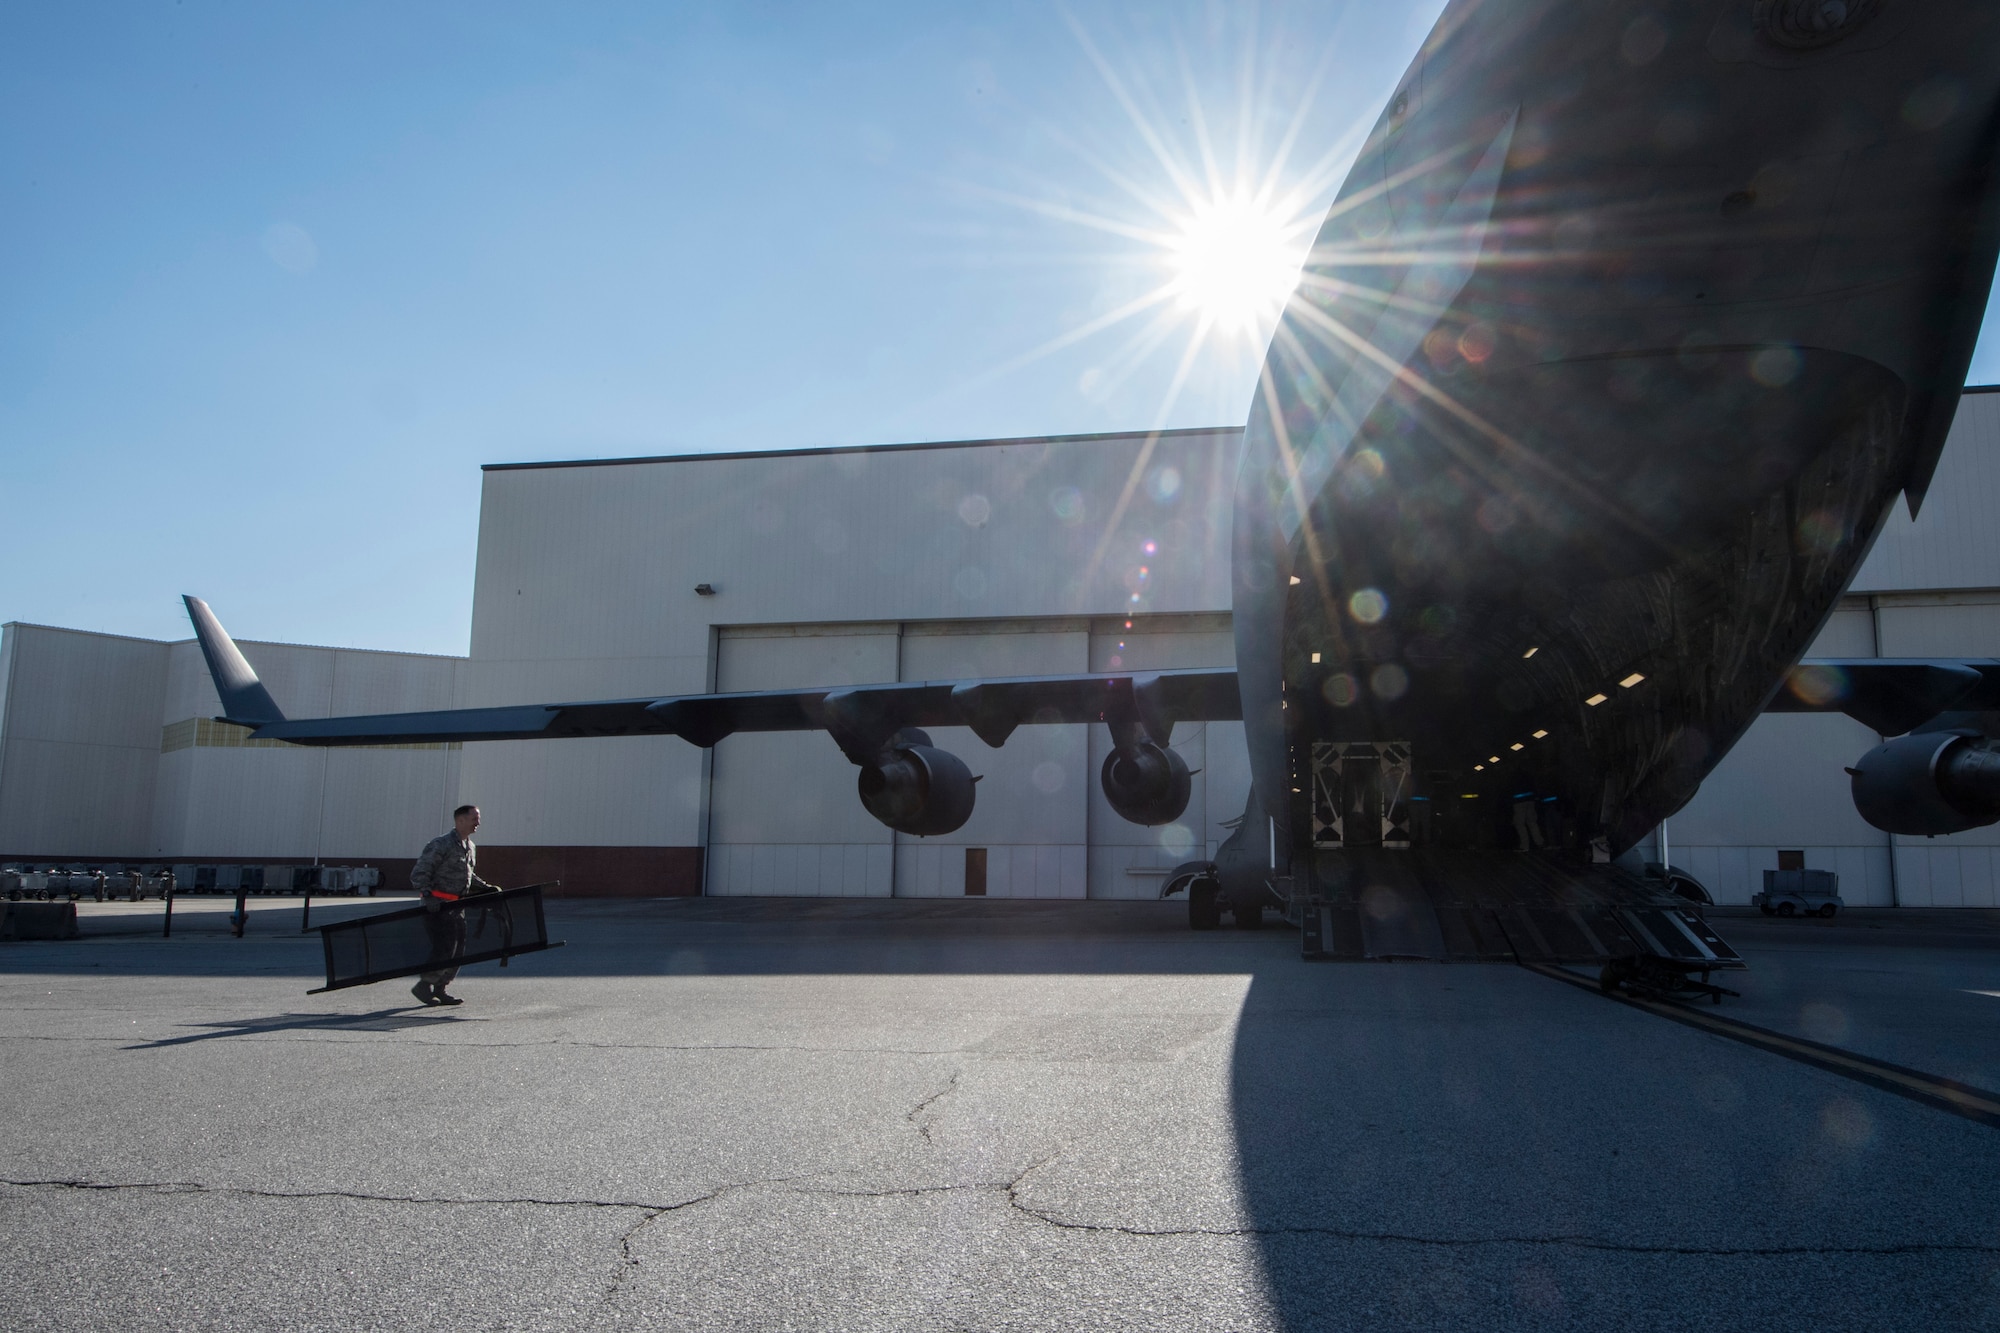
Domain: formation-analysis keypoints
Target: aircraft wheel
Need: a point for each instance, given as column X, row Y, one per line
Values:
column 1612, row 975
column 1204, row 912
column 1787, row 909
column 1827, row 910
column 1250, row 917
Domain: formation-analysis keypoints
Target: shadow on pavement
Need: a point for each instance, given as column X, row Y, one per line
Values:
column 382, row 1020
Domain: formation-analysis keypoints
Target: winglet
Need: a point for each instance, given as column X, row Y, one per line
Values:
column 245, row 701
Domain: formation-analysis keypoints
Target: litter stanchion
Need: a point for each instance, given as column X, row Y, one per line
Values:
column 242, row 916
column 306, row 917
column 167, row 930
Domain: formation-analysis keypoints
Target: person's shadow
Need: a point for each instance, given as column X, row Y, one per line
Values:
column 382, row 1020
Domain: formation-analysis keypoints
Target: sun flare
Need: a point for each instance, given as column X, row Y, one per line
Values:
column 1234, row 262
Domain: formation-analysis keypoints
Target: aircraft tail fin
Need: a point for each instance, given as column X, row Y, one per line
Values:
column 245, row 701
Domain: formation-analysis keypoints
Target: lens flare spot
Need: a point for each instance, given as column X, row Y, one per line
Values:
column 1775, row 367
column 1817, row 686
column 974, row 510
column 1477, row 342
column 1848, row 1123
column 1164, row 484
column 1341, row 690
column 1067, row 502
column 1821, row 532
column 1368, row 606
column 1389, row 681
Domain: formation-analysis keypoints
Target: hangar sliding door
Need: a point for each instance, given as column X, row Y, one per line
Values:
column 1027, row 836
column 1130, row 860
column 783, row 814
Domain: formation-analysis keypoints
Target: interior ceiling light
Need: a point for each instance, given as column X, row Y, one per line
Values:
column 1468, row 796
column 1531, row 652
column 1517, row 746
column 1596, row 699
column 1479, row 768
column 1631, row 680
column 1492, row 758
column 1295, row 580
column 1315, row 657
column 1540, row 734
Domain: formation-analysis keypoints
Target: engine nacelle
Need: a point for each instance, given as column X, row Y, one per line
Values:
column 1145, row 783
column 917, row 788
column 1928, row 784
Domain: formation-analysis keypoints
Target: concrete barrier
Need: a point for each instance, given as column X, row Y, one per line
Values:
column 37, row 921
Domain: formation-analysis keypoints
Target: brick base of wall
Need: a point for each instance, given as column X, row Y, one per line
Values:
column 597, row 872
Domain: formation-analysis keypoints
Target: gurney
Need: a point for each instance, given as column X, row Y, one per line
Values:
column 417, row 939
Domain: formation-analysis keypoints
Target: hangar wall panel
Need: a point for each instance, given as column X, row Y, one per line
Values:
column 1129, row 860
column 585, row 588
column 79, row 741
column 298, row 802
column 1030, row 816
column 1951, row 544
column 784, row 816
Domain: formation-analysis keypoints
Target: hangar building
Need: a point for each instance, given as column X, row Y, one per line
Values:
column 645, row 577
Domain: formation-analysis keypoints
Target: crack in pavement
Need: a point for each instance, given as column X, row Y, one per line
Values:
column 244, row 1191
column 924, row 1127
column 628, row 1262
column 1010, row 1190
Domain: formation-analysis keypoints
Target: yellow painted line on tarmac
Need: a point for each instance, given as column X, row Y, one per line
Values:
column 1931, row 1089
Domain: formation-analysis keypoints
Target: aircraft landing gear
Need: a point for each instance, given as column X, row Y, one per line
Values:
column 1249, row 916
column 1204, row 911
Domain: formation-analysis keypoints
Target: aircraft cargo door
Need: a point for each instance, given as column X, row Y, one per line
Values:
column 783, row 814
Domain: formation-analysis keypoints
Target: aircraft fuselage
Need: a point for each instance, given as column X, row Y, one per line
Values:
column 1620, row 340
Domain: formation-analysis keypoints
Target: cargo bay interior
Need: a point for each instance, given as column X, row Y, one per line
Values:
column 629, row 578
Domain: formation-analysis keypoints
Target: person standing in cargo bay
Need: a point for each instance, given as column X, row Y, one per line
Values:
column 446, row 871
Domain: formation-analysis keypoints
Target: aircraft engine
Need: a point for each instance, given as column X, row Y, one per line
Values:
column 917, row 788
column 1930, row 783
column 1146, row 783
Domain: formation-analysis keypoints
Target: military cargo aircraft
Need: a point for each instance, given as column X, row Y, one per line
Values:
column 1624, row 333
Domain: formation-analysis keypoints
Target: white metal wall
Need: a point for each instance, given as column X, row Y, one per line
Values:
column 79, row 740
column 1784, row 785
column 586, row 577
column 296, row 802
column 785, row 818
column 86, row 769
column 1952, row 544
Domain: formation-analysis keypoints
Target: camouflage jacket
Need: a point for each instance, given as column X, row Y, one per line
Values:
column 448, row 868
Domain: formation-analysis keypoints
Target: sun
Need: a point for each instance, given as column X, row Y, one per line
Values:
column 1234, row 262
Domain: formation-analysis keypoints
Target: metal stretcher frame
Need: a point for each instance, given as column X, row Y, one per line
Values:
column 511, row 942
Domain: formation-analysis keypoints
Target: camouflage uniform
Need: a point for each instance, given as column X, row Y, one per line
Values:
column 447, row 870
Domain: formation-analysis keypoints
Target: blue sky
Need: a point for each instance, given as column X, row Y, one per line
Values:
column 275, row 280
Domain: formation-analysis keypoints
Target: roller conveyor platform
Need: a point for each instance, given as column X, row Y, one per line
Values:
column 1465, row 906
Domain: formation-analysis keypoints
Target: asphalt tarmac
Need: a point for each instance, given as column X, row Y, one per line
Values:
column 867, row 1115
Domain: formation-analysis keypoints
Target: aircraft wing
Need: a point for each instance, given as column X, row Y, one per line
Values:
column 858, row 717
column 1890, row 695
